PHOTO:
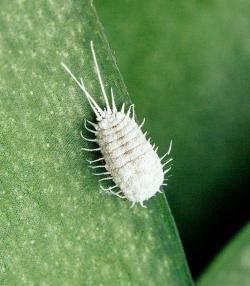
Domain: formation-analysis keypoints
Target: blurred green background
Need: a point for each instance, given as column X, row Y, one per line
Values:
column 186, row 65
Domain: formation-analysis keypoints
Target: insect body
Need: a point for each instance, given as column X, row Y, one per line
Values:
column 128, row 157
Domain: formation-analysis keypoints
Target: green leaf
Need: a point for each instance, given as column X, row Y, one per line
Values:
column 56, row 228
column 232, row 266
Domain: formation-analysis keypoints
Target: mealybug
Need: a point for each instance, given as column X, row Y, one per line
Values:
column 129, row 158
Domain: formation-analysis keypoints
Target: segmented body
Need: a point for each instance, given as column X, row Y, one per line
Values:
column 128, row 157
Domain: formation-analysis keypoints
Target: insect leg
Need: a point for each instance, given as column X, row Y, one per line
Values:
column 90, row 130
column 133, row 204
column 168, row 152
column 108, row 189
column 143, row 121
column 170, row 147
column 91, row 150
column 133, row 112
column 99, row 174
column 116, row 194
column 129, row 110
column 141, row 203
column 105, row 179
column 93, row 124
column 166, row 171
column 123, row 108
column 93, row 161
column 87, row 139
column 168, row 161
column 98, row 166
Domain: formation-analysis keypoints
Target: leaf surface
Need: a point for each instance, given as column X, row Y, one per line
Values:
column 56, row 227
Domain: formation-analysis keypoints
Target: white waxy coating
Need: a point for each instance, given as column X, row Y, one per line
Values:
column 130, row 160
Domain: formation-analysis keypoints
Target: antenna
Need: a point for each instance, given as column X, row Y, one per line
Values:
column 100, row 78
column 96, row 108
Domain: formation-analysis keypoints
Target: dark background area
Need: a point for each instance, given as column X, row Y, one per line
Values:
column 186, row 65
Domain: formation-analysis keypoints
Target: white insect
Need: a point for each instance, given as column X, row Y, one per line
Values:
column 129, row 158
